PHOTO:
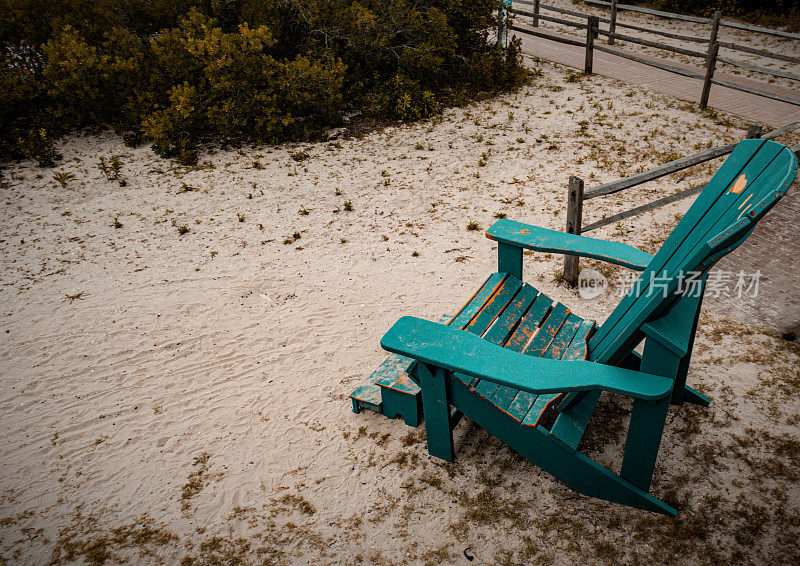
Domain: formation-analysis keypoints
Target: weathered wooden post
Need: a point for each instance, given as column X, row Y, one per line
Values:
column 536, row 12
column 574, row 219
column 502, row 25
column 612, row 24
column 711, row 60
column 590, row 32
column 754, row 131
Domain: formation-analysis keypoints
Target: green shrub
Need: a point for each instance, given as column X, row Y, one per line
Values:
column 37, row 145
column 405, row 99
column 180, row 74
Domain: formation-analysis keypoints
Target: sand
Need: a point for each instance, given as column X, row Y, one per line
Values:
column 170, row 397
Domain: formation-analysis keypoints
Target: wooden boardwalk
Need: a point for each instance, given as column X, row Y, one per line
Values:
column 771, row 249
column 754, row 108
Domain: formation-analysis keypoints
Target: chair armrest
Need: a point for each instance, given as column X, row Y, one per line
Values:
column 459, row 351
column 544, row 240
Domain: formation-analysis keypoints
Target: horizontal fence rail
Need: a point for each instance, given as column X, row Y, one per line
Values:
column 551, row 37
column 644, row 208
column 762, row 52
column 664, row 33
column 749, row 67
column 758, row 91
column 757, row 29
column 650, row 62
column 656, row 44
column 549, row 18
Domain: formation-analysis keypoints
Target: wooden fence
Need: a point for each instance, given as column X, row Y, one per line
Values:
column 710, row 55
column 576, row 196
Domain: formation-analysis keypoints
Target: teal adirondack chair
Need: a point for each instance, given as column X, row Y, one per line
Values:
column 530, row 371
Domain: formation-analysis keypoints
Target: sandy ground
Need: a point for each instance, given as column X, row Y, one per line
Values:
column 771, row 43
column 176, row 351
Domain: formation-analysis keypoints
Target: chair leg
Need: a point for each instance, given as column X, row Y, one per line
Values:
column 647, row 420
column 643, row 441
column 436, row 410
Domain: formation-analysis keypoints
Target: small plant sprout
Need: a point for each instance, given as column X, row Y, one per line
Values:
column 117, row 223
column 473, row 226
column 240, row 216
column 111, row 168
column 63, row 177
column 183, row 229
column 303, row 211
column 348, row 206
column 186, row 189
column 293, row 238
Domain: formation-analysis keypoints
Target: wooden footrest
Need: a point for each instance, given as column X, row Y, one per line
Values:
column 391, row 391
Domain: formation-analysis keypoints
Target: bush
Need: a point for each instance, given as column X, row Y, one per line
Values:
column 181, row 73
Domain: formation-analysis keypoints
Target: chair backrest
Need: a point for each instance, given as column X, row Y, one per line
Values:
column 753, row 178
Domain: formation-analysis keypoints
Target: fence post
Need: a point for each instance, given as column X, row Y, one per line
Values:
column 502, row 25
column 612, row 25
column 574, row 219
column 711, row 60
column 754, row 131
column 536, row 12
column 592, row 25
